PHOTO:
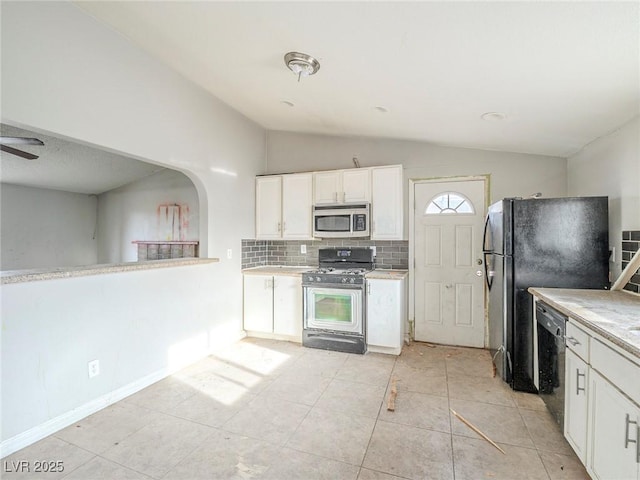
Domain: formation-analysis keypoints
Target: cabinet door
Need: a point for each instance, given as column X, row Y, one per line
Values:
column 326, row 186
column 385, row 312
column 258, row 303
column 613, row 447
column 287, row 306
column 297, row 194
column 576, row 395
column 268, row 207
column 356, row 186
column 386, row 203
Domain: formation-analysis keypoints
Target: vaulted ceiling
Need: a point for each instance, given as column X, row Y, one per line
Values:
column 560, row 73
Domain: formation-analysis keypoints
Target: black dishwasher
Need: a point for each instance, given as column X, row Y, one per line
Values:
column 551, row 354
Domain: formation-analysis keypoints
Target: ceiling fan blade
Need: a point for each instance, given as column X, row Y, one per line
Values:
column 19, row 153
column 20, row 141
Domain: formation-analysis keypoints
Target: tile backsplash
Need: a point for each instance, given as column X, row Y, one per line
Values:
column 256, row 253
column 630, row 245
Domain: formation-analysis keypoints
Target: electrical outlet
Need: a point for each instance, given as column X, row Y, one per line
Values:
column 94, row 368
column 229, row 253
column 303, row 249
column 373, row 248
column 612, row 254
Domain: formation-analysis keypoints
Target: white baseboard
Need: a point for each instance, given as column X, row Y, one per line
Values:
column 28, row 437
column 53, row 425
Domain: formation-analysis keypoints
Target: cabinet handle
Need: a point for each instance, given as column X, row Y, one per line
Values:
column 627, row 440
column 284, row 226
column 578, row 388
column 344, row 196
column 368, row 288
column 573, row 341
column 278, row 227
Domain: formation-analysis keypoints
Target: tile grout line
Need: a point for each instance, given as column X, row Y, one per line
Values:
column 375, row 423
column 453, row 455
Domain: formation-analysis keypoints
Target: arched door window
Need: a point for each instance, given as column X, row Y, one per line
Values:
column 449, row 203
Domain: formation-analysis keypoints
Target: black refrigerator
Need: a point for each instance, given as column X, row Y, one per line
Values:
column 538, row 242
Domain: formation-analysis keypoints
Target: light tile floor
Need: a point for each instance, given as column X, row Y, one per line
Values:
column 276, row 410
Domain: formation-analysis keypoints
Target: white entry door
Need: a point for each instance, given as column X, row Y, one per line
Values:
column 449, row 286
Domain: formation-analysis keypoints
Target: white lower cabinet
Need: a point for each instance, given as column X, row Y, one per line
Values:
column 576, row 403
column 273, row 305
column 287, row 306
column 386, row 315
column 614, row 452
column 602, row 418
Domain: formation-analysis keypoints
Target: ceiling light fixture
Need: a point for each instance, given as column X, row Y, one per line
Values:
column 382, row 109
column 493, row 116
column 301, row 64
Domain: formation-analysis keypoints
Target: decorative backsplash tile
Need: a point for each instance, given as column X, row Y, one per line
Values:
column 389, row 254
column 254, row 253
column 630, row 245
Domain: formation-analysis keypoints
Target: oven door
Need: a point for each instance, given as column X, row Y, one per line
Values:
column 334, row 309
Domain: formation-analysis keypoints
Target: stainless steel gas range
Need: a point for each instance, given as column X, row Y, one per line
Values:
column 334, row 300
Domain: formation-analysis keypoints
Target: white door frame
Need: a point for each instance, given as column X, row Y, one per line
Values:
column 412, row 260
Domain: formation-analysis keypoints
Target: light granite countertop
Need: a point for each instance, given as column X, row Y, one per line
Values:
column 614, row 315
column 277, row 270
column 36, row 274
column 384, row 274
column 295, row 271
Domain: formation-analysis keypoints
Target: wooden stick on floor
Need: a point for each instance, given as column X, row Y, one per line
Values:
column 476, row 429
column 391, row 404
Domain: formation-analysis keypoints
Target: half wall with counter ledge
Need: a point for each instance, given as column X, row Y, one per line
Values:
column 141, row 321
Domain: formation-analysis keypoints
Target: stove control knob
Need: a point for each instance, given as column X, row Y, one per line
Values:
column 344, row 280
column 352, row 280
column 310, row 279
column 317, row 279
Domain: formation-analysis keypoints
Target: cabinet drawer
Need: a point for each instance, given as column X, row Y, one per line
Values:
column 623, row 373
column 577, row 340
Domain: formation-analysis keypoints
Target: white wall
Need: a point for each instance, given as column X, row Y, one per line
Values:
column 131, row 213
column 46, row 228
column 611, row 166
column 511, row 174
column 139, row 325
column 66, row 74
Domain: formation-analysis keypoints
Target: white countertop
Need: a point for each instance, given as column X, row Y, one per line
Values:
column 614, row 315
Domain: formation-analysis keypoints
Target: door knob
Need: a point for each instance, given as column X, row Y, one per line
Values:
column 479, row 261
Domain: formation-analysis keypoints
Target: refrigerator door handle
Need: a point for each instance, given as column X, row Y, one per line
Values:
column 484, row 236
column 488, row 278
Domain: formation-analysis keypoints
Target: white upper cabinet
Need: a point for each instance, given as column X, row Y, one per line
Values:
column 269, row 207
column 297, row 196
column 356, row 185
column 326, row 186
column 284, row 203
column 283, row 206
column 342, row 186
column 387, row 213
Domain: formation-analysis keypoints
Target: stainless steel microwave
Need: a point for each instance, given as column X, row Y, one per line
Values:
column 341, row 221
